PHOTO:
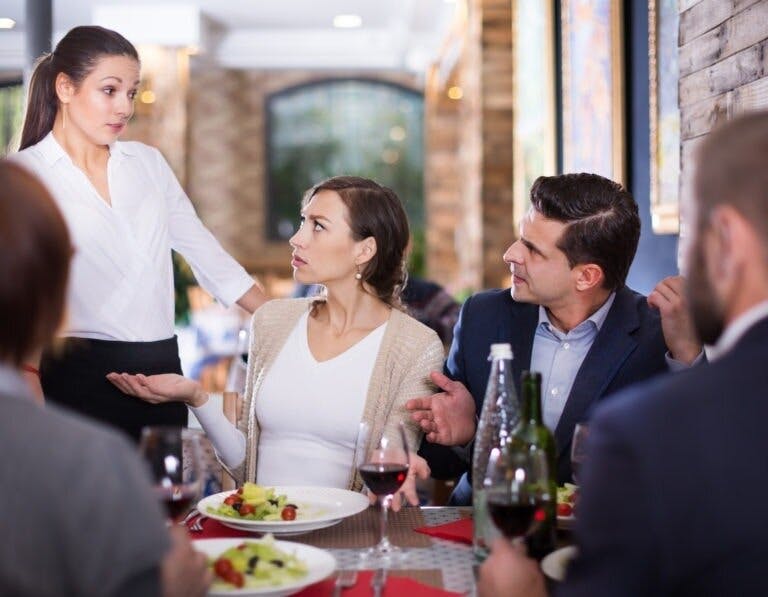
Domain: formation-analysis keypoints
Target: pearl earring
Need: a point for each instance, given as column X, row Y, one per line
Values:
column 358, row 276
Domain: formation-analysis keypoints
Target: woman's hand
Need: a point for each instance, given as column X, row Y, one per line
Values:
column 158, row 389
column 418, row 467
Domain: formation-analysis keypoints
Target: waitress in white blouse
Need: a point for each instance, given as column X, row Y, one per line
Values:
column 125, row 211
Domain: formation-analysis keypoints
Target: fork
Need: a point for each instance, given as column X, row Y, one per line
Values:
column 345, row 580
column 197, row 526
column 190, row 515
column 378, row 581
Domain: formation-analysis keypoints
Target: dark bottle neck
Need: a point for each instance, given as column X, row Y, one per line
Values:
column 531, row 386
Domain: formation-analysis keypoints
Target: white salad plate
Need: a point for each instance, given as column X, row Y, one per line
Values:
column 320, row 565
column 318, row 507
column 555, row 564
column 566, row 523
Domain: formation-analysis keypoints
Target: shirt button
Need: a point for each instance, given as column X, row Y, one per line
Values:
column 553, row 391
column 566, row 346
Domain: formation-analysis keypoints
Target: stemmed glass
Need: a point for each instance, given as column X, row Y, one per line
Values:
column 174, row 456
column 579, row 449
column 383, row 465
column 516, row 490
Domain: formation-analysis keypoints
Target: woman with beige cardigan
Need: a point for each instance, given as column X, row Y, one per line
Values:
column 318, row 367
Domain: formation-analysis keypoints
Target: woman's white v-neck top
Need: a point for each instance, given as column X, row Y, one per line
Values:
column 121, row 281
column 309, row 412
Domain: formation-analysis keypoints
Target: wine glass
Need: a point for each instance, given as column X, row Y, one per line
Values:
column 517, row 489
column 174, row 456
column 579, row 449
column 383, row 465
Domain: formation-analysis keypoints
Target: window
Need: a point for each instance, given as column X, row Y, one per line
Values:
column 11, row 112
column 357, row 127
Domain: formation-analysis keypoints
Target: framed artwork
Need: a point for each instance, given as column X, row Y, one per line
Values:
column 663, row 23
column 593, row 87
column 535, row 145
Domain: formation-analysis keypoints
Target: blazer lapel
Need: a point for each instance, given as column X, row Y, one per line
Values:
column 519, row 331
column 613, row 344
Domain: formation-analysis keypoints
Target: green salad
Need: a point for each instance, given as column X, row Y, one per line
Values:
column 567, row 495
column 256, row 564
column 254, row 502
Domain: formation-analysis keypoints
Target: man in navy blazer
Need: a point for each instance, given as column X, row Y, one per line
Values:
column 567, row 315
column 670, row 502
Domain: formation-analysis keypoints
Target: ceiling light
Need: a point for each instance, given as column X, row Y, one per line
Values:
column 455, row 92
column 6, row 23
column 147, row 97
column 390, row 156
column 397, row 133
column 347, row 21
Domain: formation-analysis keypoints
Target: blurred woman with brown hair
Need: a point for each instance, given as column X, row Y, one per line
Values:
column 64, row 479
column 125, row 211
column 318, row 367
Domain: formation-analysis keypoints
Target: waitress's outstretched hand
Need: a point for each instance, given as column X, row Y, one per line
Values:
column 158, row 389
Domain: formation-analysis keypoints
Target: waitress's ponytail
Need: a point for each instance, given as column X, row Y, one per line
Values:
column 41, row 103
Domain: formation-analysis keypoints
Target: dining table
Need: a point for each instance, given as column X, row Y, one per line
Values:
column 441, row 563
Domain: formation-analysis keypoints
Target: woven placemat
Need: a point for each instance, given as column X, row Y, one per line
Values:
column 433, row 577
column 362, row 530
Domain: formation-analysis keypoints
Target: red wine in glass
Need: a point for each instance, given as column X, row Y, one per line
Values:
column 383, row 478
column 512, row 518
column 383, row 466
column 173, row 456
column 177, row 500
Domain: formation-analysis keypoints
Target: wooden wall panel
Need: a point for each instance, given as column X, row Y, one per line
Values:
column 723, row 58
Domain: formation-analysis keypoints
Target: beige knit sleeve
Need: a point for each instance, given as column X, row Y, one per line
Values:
column 425, row 356
column 238, row 473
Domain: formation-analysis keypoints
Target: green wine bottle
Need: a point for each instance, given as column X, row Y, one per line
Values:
column 531, row 434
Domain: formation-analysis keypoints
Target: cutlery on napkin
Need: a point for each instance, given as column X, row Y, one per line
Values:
column 396, row 586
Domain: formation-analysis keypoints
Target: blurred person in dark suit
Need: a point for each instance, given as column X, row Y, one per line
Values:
column 670, row 499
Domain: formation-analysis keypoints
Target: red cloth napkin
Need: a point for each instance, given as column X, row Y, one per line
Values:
column 459, row 530
column 213, row 529
column 397, row 586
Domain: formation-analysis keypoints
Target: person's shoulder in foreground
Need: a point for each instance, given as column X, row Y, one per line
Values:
column 669, row 500
column 79, row 516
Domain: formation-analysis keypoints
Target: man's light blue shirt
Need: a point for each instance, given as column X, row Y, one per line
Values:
column 558, row 357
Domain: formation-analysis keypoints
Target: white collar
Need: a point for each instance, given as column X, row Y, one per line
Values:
column 52, row 151
column 736, row 329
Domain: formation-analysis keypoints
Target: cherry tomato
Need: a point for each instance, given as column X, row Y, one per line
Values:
column 247, row 509
column 232, row 499
column 288, row 513
column 235, row 578
column 222, row 567
column 240, row 491
column 564, row 510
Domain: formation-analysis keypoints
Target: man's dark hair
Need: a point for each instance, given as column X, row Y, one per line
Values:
column 602, row 218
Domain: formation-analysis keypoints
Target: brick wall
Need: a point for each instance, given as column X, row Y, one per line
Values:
column 469, row 159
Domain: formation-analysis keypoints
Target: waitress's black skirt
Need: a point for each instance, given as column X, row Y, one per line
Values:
column 73, row 375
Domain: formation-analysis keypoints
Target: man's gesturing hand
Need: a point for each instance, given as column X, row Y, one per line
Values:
column 448, row 417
